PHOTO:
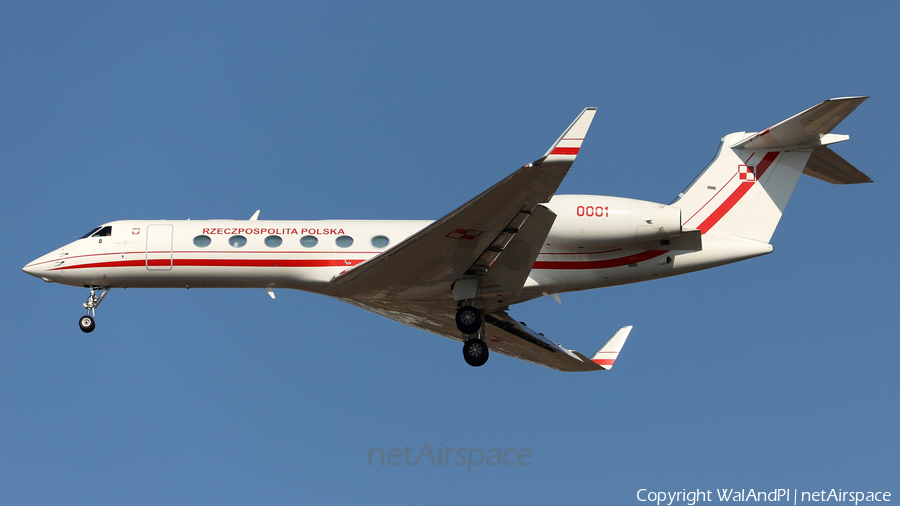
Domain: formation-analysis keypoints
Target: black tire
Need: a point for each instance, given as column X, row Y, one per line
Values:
column 475, row 351
column 468, row 319
column 86, row 323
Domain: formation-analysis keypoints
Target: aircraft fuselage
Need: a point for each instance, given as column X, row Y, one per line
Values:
column 307, row 255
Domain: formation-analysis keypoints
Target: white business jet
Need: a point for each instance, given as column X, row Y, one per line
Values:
column 457, row 277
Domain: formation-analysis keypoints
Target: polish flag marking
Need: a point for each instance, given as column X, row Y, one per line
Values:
column 462, row 233
column 747, row 172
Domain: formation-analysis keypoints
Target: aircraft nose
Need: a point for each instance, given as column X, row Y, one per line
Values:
column 37, row 268
column 32, row 269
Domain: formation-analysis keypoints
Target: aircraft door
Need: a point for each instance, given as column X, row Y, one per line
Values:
column 159, row 255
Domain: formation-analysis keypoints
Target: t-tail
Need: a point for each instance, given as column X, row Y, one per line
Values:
column 743, row 192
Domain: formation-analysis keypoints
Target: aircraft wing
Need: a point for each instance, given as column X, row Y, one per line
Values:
column 429, row 262
column 502, row 333
column 494, row 238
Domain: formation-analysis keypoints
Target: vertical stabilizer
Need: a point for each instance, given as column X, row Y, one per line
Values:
column 743, row 192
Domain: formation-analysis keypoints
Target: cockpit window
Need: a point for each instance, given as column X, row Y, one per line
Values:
column 103, row 232
column 85, row 236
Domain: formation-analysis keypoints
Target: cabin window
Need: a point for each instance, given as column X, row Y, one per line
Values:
column 344, row 241
column 273, row 241
column 202, row 241
column 308, row 241
column 237, row 241
column 380, row 241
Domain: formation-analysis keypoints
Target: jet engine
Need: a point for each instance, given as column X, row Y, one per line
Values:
column 599, row 221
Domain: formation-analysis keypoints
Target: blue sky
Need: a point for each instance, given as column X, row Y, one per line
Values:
column 778, row 372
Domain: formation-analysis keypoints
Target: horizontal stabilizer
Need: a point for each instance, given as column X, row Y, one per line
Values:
column 809, row 127
column 606, row 356
column 828, row 166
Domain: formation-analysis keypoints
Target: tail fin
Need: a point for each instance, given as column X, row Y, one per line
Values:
column 745, row 189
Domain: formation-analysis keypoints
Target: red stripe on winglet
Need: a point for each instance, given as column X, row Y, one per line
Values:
column 564, row 151
column 604, row 361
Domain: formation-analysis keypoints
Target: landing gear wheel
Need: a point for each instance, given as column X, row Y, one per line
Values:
column 475, row 351
column 468, row 320
column 86, row 323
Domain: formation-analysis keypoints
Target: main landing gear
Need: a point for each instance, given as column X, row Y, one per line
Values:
column 471, row 324
column 475, row 351
column 468, row 320
column 86, row 322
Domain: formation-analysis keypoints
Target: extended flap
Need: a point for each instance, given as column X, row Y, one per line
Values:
column 514, row 264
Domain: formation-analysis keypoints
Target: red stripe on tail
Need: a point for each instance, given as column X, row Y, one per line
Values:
column 738, row 194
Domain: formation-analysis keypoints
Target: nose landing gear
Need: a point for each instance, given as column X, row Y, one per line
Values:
column 86, row 322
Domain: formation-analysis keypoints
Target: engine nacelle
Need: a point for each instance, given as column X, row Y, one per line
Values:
column 598, row 221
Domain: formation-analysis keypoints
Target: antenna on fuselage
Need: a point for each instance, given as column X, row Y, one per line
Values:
column 255, row 215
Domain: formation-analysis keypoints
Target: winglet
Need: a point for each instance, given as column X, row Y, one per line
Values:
column 565, row 149
column 606, row 356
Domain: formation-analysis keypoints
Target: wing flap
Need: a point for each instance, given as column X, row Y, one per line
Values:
column 511, row 269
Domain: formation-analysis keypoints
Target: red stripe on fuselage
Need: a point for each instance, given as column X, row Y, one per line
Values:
column 202, row 262
column 600, row 264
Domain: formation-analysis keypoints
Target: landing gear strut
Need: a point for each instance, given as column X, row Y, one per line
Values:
column 86, row 322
